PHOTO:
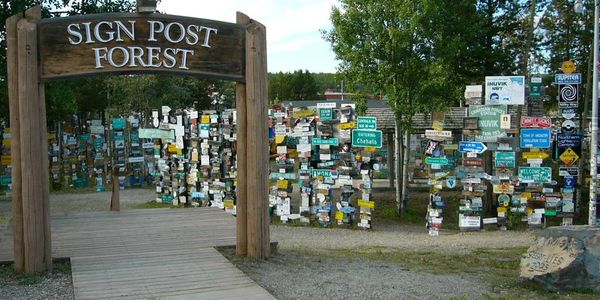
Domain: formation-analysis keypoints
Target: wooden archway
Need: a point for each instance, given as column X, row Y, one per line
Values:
column 47, row 49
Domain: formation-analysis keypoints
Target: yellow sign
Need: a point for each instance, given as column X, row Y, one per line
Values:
column 502, row 209
column 304, row 113
column 282, row 184
column 370, row 149
column 228, row 204
column 205, row 119
column 348, row 125
column 368, row 204
column 173, row 149
column 279, row 139
column 568, row 67
column 339, row 215
column 535, row 155
column 503, row 188
column 569, row 157
column 6, row 142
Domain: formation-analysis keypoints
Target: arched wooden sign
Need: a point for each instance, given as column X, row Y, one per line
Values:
column 47, row 49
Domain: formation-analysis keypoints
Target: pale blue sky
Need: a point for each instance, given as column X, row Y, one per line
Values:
column 294, row 40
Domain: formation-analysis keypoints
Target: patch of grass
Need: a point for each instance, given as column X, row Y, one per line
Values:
column 154, row 204
column 5, row 219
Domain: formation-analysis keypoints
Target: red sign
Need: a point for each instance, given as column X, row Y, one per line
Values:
column 535, row 122
column 472, row 162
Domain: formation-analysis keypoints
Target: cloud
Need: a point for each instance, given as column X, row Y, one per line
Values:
column 291, row 25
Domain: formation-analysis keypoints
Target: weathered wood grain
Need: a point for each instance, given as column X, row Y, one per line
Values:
column 60, row 58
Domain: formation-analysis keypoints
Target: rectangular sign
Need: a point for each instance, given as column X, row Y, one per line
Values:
column 436, row 161
column 367, row 138
column 488, row 121
column 326, row 105
column 324, row 173
column 438, row 134
column 568, row 96
column 366, row 123
column 123, row 42
column 326, row 114
column 535, row 138
column 472, row 162
column 535, row 174
column 505, row 160
column 150, row 133
column 574, row 78
column 322, row 141
column 508, row 90
column 535, row 122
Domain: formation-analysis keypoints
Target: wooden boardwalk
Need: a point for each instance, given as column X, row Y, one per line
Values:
column 148, row 253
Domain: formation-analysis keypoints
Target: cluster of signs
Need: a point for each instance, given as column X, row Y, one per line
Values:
column 323, row 150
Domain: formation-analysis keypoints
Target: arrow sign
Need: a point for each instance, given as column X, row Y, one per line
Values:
column 477, row 147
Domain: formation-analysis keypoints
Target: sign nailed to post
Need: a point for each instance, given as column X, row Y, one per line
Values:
column 124, row 43
column 505, row 90
column 488, row 121
column 535, row 138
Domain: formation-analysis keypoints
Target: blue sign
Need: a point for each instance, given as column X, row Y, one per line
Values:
column 535, row 138
column 569, row 182
column 574, row 78
column 477, row 147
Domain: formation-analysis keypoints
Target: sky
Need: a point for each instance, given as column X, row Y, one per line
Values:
column 294, row 40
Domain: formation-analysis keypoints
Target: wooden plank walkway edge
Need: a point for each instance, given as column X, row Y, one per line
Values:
column 148, row 253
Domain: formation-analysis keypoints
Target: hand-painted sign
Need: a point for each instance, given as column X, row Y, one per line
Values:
column 505, row 160
column 505, row 90
column 535, row 138
column 574, row 78
column 477, row 147
column 472, row 162
column 535, row 122
column 535, row 174
column 367, row 138
column 366, row 123
column 488, row 121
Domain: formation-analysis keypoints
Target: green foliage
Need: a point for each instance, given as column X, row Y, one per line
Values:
column 299, row 85
column 409, row 51
column 360, row 100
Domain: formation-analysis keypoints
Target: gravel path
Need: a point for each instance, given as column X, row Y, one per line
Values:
column 297, row 276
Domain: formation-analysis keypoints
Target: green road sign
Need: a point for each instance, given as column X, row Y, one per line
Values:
column 436, row 161
column 324, row 173
column 535, row 174
column 366, row 123
column 505, row 160
column 367, row 138
column 321, row 141
column 326, row 114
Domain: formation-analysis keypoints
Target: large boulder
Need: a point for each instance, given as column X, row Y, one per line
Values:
column 564, row 258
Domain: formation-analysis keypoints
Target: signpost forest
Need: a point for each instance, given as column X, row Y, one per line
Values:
column 40, row 50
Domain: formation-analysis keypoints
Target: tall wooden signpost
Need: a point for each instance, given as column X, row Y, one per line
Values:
column 131, row 44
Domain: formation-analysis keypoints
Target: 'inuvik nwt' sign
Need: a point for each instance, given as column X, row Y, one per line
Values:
column 127, row 43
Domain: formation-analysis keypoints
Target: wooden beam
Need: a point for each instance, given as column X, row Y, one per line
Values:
column 241, row 208
column 257, row 154
column 15, row 148
column 33, row 137
column 115, row 201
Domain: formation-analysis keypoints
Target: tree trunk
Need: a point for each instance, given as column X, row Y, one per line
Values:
column 398, row 166
column 390, row 159
column 405, row 169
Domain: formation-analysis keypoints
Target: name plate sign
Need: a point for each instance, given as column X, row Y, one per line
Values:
column 128, row 43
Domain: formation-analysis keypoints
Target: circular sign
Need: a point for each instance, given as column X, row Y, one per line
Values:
column 568, row 126
column 503, row 200
column 568, row 67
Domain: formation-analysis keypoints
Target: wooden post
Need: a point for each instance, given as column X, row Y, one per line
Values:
column 241, row 207
column 256, row 159
column 15, row 148
column 33, row 138
column 115, row 201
